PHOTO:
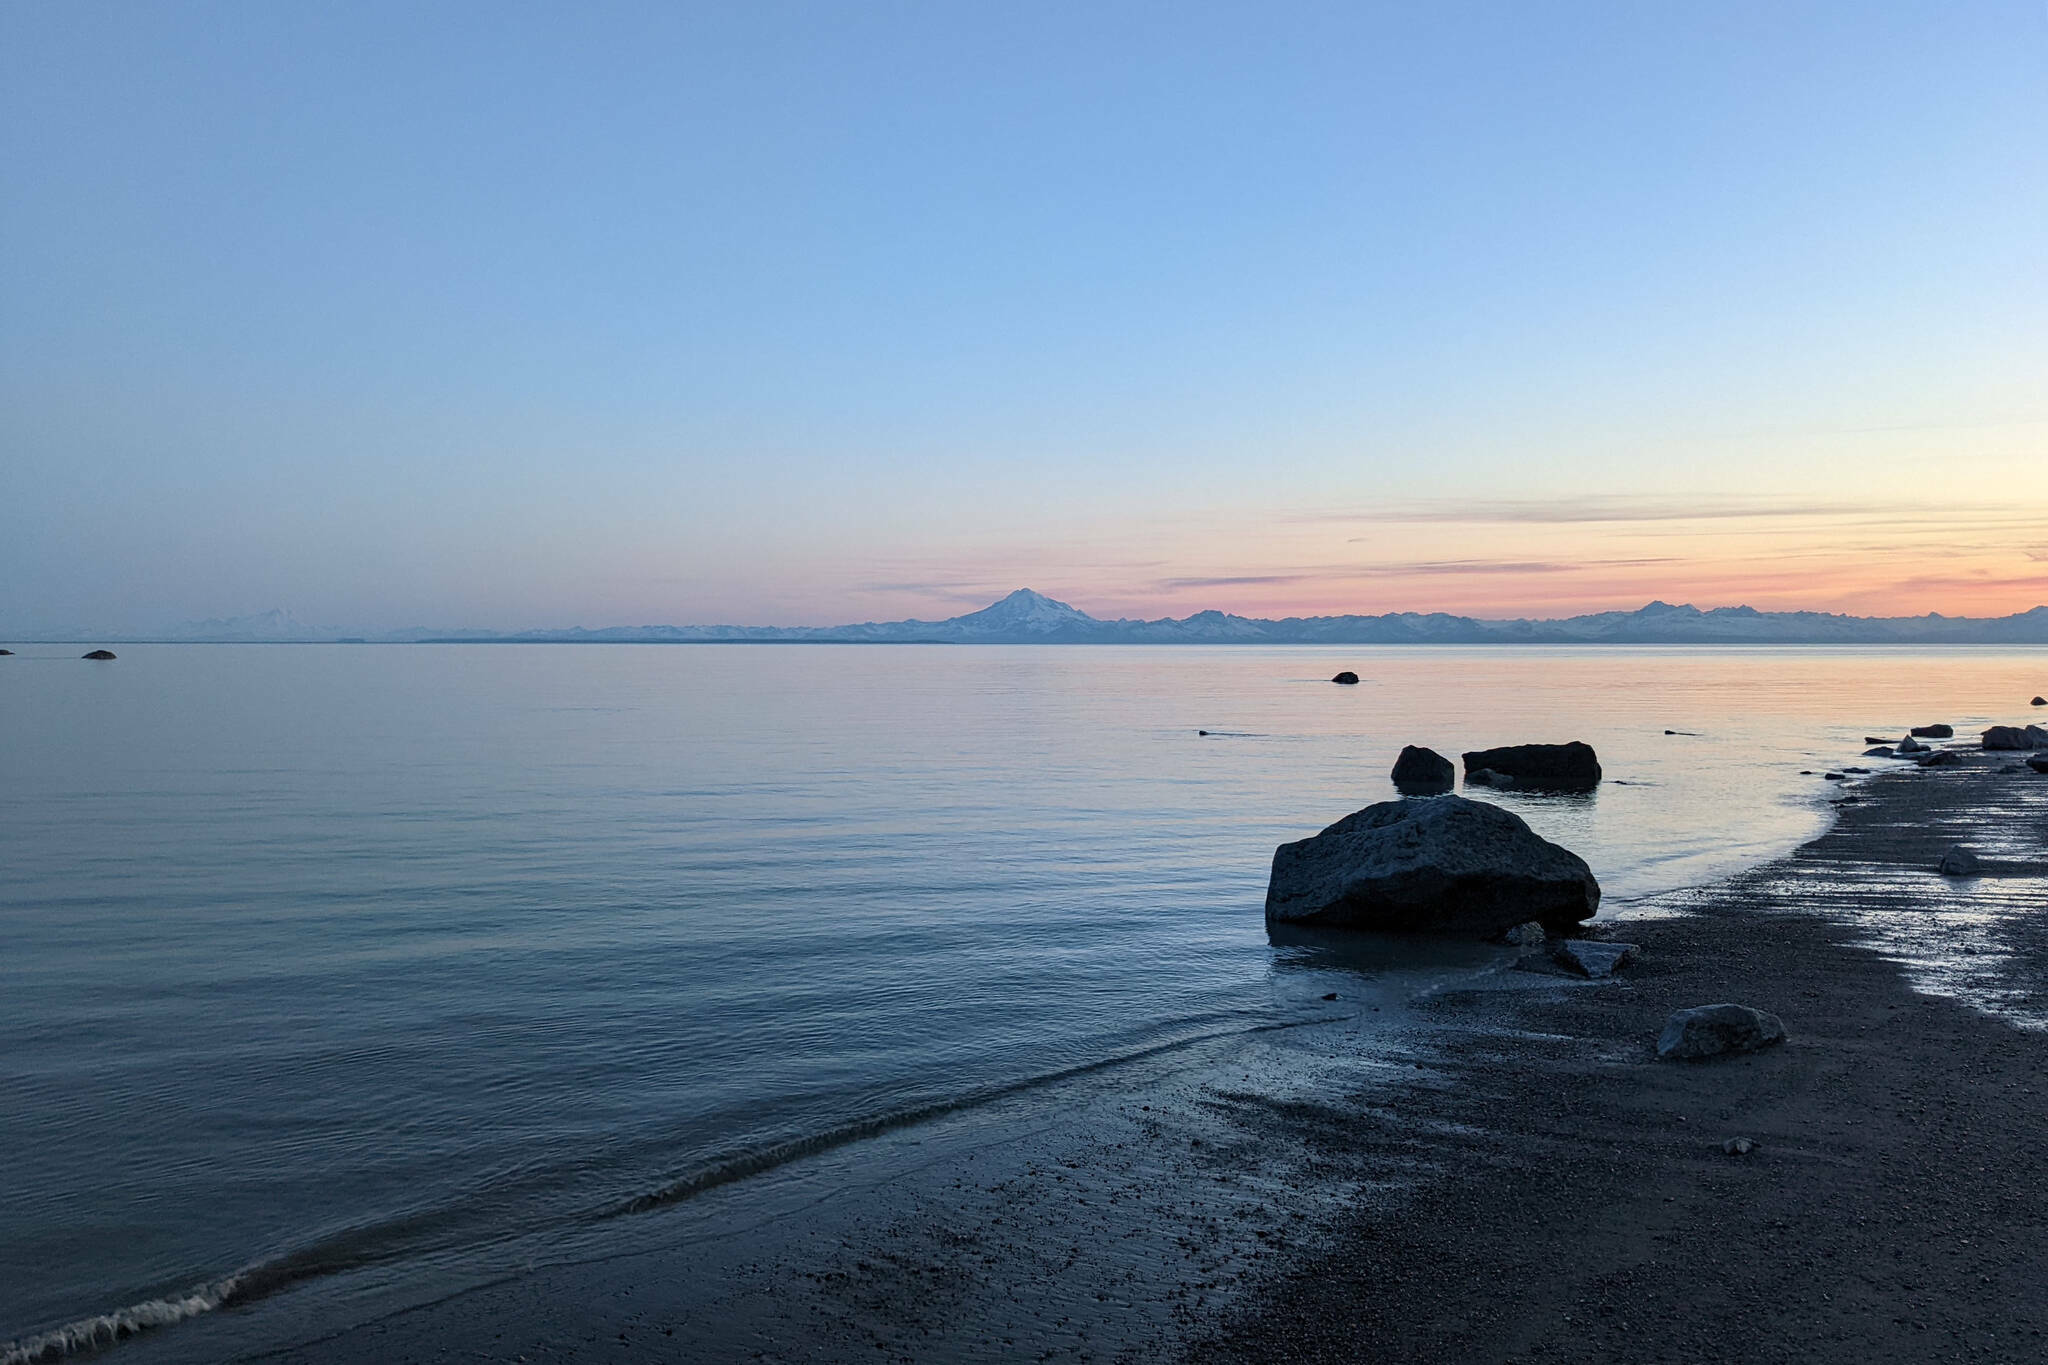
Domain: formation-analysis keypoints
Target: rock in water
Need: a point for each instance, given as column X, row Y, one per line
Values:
column 1910, row 745
column 2038, row 735
column 1347, row 677
column 1934, row 731
column 2039, row 701
column 99, row 654
column 1947, row 758
column 1875, row 739
column 1569, row 767
column 1959, row 862
column 2039, row 765
column 1444, row 865
column 1711, row 1030
column 1590, row 957
column 2008, row 737
column 1423, row 770
column 1881, row 751
column 1487, row 777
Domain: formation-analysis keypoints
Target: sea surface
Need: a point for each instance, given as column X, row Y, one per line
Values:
column 325, row 969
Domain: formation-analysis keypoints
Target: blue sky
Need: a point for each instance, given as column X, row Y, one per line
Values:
column 509, row 315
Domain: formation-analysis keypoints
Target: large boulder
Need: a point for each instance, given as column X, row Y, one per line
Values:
column 2009, row 737
column 1569, row 767
column 1423, row 770
column 1934, row 732
column 1441, row 865
column 1712, row 1030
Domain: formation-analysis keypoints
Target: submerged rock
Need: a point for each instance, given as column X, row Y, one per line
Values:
column 1347, row 677
column 1934, row 731
column 1487, row 777
column 1712, row 1030
column 98, row 654
column 1960, row 862
column 1442, row 865
column 2009, row 737
column 1424, row 770
column 1572, row 767
column 1591, row 957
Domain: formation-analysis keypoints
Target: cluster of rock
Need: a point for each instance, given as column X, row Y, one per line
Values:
column 2011, row 737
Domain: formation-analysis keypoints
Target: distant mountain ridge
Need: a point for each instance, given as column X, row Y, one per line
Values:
column 1027, row 617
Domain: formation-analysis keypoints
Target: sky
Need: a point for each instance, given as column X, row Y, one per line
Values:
column 510, row 315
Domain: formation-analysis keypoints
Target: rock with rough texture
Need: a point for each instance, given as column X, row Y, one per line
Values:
column 1934, row 732
column 99, row 654
column 1947, row 758
column 1442, row 865
column 2008, row 737
column 1910, row 745
column 1525, row 935
column 1424, row 770
column 1960, row 862
column 1591, row 957
column 1569, row 767
column 1347, row 677
column 1739, row 1146
column 1717, row 1030
column 1881, row 751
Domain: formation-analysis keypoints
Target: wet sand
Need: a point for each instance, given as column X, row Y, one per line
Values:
column 1499, row 1170
column 1893, row 1210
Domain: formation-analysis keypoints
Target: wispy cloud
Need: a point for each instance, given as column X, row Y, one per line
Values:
column 1605, row 508
column 1243, row 580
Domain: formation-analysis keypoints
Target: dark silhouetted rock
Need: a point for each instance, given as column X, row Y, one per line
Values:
column 1715, row 1030
column 1331, row 995
column 1591, row 957
column 1960, row 862
column 1881, row 751
column 1424, row 770
column 1487, row 777
column 1346, row 677
column 1442, row 865
column 1569, row 767
column 1525, row 935
column 2038, row 735
column 1910, row 745
column 1833, row 777
column 99, row 654
column 2008, row 737
column 2039, row 765
column 1739, row 1146
column 2039, row 701
column 6, row 651
column 1934, row 732
column 1860, row 772
column 1947, row 758
column 1875, row 739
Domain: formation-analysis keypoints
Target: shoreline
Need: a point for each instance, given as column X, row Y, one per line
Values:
column 1588, row 1211
column 1235, row 1200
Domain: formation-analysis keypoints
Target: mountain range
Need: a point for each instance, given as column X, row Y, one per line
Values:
column 1027, row 617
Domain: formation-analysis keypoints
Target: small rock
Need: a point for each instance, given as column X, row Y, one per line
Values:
column 1876, row 739
column 1881, row 751
column 1423, row 770
column 2039, row 765
column 1738, row 1146
column 1347, row 677
column 1833, row 777
column 1710, row 1030
column 1487, row 777
column 2039, row 701
column 1201, row 732
column 1947, row 758
column 2012, row 768
column 1959, row 862
column 1524, row 935
column 1331, row 996
column 1910, row 745
column 6, row 651
column 1934, row 732
column 99, row 654
column 1859, row 772
column 1591, row 957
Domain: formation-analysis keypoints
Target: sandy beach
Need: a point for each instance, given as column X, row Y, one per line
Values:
column 1505, row 1174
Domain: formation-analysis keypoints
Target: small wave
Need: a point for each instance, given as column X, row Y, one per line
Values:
column 91, row 1334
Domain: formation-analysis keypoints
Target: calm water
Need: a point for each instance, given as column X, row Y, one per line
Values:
column 324, row 961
